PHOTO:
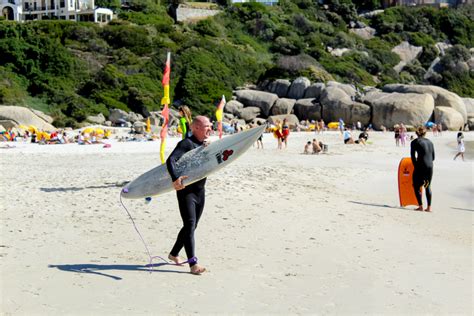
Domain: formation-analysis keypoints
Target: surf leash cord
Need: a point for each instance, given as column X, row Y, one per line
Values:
column 151, row 258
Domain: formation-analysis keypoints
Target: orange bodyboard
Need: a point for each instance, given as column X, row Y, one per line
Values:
column 405, row 183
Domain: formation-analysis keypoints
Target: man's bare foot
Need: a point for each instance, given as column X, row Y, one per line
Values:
column 420, row 208
column 197, row 269
column 176, row 260
column 428, row 209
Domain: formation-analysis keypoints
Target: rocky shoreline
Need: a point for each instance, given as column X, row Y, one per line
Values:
column 302, row 100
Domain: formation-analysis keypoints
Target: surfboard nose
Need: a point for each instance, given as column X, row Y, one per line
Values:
column 257, row 131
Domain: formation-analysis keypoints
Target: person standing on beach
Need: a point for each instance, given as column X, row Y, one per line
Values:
column 190, row 198
column 403, row 134
column 341, row 125
column 184, row 121
column 285, row 132
column 422, row 155
column 461, row 148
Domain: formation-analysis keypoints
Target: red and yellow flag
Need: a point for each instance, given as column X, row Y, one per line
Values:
column 219, row 114
column 165, row 101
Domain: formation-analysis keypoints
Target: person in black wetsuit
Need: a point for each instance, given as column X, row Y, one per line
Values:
column 190, row 198
column 422, row 156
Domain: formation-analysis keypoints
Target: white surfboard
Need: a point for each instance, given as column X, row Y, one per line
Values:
column 197, row 164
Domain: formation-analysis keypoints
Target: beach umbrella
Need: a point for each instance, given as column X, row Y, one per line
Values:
column 333, row 125
column 99, row 131
column 429, row 124
column 32, row 129
column 88, row 130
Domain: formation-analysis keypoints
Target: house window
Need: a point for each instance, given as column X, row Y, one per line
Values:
column 11, row 1
column 61, row 4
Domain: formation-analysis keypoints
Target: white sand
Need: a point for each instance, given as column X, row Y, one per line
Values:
column 282, row 233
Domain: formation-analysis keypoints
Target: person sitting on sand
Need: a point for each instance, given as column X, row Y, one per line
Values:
column 307, row 147
column 317, row 146
column 362, row 138
column 347, row 136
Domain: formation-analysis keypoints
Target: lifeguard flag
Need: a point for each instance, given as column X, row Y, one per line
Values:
column 165, row 101
column 148, row 125
column 219, row 114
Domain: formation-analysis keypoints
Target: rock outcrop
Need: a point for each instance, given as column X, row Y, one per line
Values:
column 442, row 97
column 283, row 106
column 279, row 87
column 249, row 113
column 407, row 53
column 260, row 99
column 307, row 109
column 97, row 119
column 298, row 88
column 389, row 109
column 449, row 118
column 334, row 101
column 314, row 91
column 233, row 107
column 18, row 115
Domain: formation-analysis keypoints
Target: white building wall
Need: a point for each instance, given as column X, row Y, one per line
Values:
column 69, row 10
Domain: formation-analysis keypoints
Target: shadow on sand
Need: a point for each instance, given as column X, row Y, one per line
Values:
column 403, row 208
column 105, row 186
column 99, row 268
column 462, row 209
column 380, row 205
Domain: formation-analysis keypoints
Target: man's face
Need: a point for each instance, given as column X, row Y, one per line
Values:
column 202, row 129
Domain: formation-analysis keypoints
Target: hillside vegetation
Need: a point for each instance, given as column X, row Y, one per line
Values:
column 72, row 70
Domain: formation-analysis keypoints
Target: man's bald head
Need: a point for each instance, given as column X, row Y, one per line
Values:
column 201, row 127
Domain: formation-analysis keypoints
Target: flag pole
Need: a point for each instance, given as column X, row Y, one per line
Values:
column 165, row 101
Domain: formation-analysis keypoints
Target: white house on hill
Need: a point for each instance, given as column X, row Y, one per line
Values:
column 71, row 10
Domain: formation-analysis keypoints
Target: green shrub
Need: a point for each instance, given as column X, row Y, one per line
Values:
column 207, row 27
column 136, row 39
column 415, row 69
column 347, row 71
column 12, row 88
column 428, row 55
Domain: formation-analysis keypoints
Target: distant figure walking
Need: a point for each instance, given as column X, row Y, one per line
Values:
column 403, row 134
column 341, row 125
column 185, row 121
column 285, row 131
column 397, row 135
column 260, row 139
column 422, row 155
column 321, row 126
column 461, row 148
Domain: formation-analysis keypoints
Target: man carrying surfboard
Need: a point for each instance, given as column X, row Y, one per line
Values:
column 422, row 156
column 190, row 198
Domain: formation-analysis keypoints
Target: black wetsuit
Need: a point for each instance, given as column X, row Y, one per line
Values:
column 190, row 200
column 422, row 156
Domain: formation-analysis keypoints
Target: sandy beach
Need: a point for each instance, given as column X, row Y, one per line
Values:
column 282, row 233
